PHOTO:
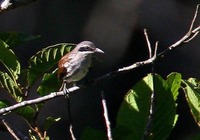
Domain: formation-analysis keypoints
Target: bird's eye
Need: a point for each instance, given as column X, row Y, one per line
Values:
column 85, row 48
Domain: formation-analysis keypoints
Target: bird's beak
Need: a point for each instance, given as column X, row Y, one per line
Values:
column 98, row 50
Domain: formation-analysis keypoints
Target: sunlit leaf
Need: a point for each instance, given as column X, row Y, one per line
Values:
column 10, row 86
column 9, row 60
column 134, row 112
column 192, row 91
column 45, row 60
column 174, row 81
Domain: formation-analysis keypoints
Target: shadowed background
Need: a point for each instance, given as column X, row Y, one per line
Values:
column 117, row 28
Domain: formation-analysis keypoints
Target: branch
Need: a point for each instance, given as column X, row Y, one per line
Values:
column 14, row 132
column 148, row 128
column 11, row 4
column 109, row 134
column 192, row 33
column 38, row 100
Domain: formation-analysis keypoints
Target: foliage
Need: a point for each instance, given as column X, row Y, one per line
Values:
column 39, row 64
column 134, row 111
column 133, row 114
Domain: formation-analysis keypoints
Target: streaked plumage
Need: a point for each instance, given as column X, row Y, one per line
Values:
column 75, row 65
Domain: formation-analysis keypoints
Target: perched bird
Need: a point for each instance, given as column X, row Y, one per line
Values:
column 74, row 66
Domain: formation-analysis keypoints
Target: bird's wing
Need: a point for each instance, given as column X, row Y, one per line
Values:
column 65, row 65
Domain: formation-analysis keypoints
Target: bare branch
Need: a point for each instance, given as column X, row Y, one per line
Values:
column 156, row 48
column 38, row 100
column 10, row 130
column 192, row 33
column 14, row 132
column 192, row 37
column 71, row 132
column 194, row 18
column 109, row 134
column 69, row 112
column 137, row 64
column 148, row 43
column 147, row 130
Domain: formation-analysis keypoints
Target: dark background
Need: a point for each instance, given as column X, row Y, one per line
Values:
column 117, row 28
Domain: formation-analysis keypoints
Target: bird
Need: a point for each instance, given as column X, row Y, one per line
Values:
column 74, row 66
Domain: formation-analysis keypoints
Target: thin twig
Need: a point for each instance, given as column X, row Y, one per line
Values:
column 10, row 130
column 188, row 37
column 194, row 18
column 14, row 132
column 148, row 43
column 191, row 34
column 147, row 131
column 109, row 133
column 70, row 117
column 71, row 132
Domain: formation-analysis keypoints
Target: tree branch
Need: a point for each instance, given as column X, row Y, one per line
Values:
column 192, row 33
column 109, row 133
column 14, row 132
column 38, row 100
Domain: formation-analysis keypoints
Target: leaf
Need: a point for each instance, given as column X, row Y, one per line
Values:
column 9, row 60
column 174, row 81
column 134, row 112
column 15, row 39
column 4, row 103
column 49, row 122
column 27, row 112
column 46, row 59
column 93, row 134
column 192, row 91
column 12, row 87
column 50, row 83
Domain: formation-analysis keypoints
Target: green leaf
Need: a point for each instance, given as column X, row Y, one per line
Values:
column 9, row 60
column 15, row 39
column 50, row 83
column 174, row 81
column 27, row 112
column 4, row 103
column 49, row 121
column 93, row 134
column 46, row 59
column 134, row 112
column 7, row 83
column 192, row 91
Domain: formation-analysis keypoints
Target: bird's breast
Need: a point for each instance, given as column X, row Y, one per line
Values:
column 78, row 69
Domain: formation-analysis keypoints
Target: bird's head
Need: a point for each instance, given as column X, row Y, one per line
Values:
column 87, row 47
